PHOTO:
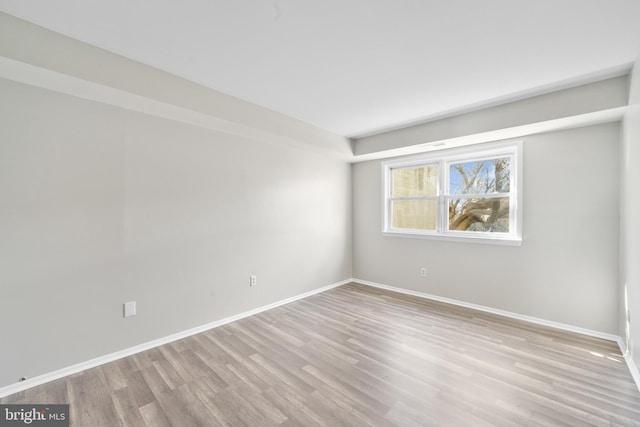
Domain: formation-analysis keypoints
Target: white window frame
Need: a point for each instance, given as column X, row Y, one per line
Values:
column 444, row 158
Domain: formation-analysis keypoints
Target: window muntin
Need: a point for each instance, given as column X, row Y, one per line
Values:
column 455, row 194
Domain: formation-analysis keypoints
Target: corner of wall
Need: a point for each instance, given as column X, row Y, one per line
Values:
column 630, row 223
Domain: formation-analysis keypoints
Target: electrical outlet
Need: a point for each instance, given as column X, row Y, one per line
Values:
column 423, row 272
column 253, row 280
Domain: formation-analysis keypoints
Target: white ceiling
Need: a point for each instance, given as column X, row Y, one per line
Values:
column 354, row 67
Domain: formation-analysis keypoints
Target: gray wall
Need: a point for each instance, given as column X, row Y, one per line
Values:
column 630, row 229
column 29, row 44
column 100, row 205
column 586, row 98
column 567, row 267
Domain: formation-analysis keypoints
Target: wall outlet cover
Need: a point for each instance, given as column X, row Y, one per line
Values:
column 129, row 309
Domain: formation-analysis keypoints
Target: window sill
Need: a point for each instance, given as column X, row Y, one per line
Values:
column 505, row 241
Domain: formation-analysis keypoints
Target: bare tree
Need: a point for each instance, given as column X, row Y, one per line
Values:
column 473, row 212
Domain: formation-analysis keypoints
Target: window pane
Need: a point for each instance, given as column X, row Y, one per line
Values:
column 414, row 214
column 415, row 181
column 479, row 214
column 480, row 177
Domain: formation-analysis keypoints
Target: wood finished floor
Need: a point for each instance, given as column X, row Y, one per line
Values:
column 359, row 356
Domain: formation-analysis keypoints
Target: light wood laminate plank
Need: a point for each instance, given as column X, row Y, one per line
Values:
column 359, row 356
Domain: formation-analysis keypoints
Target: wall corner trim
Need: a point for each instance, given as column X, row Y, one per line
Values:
column 635, row 373
column 557, row 325
column 101, row 360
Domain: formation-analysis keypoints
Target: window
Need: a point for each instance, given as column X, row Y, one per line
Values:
column 472, row 194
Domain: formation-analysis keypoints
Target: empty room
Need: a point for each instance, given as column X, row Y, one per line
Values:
column 320, row 213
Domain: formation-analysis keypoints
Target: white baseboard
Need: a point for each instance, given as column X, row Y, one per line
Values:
column 60, row 373
column 50, row 376
column 530, row 319
column 630, row 363
column 557, row 325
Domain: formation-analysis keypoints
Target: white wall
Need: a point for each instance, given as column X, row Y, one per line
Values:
column 567, row 267
column 630, row 227
column 100, row 205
